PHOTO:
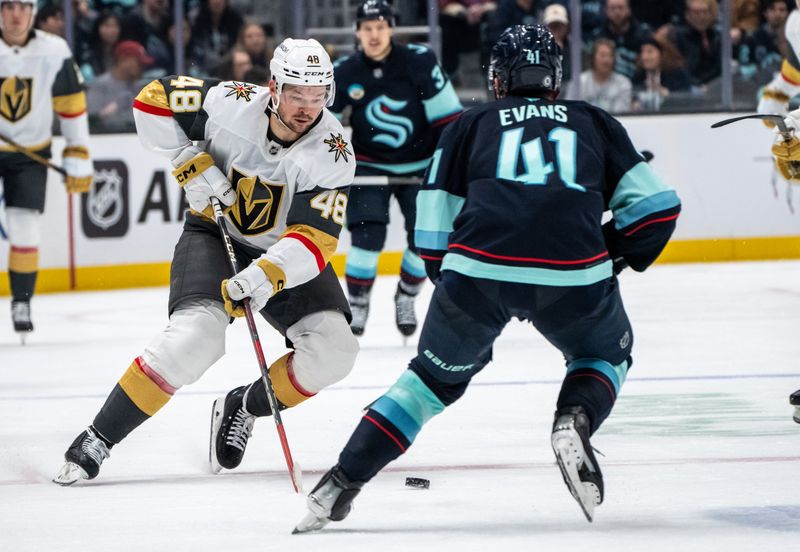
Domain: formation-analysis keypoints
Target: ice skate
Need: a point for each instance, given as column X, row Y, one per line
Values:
column 331, row 500
column 359, row 307
column 794, row 400
column 83, row 458
column 570, row 440
column 405, row 317
column 231, row 427
column 21, row 316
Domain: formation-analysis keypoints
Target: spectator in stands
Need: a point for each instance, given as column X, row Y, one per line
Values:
column 556, row 18
column 110, row 95
column 147, row 24
column 50, row 18
column 461, row 22
column 698, row 41
column 627, row 33
column 601, row 85
column 593, row 14
column 83, row 20
column 257, row 75
column 508, row 13
column 234, row 66
column 194, row 56
column 97, row 55
column 658, row 74
column 216, row 29
column 657, row 14
column 761, row 53
column 253, row 40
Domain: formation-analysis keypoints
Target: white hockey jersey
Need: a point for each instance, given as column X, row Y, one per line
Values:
column 290, row 200
column 36, row 79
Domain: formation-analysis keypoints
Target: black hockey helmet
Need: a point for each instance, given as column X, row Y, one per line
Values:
column 526, row 59
column 375, row 9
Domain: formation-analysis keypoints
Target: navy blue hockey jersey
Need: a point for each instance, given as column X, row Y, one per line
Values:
column 399, row 106
column 518, row 187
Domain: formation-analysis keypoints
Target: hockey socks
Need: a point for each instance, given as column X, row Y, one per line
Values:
column 360, row 271
column 23, row 266
column 593, row 384
column 389, row 427
column 288, row 392
column 138, row 395
column 412, row 273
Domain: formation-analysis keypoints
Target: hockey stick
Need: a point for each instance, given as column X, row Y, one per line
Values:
column 386, row 180
column 32, row 155
column 786, row 133
column 60, row 170
column 294, row 469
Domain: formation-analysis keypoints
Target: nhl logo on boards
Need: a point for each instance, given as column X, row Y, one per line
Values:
column 104, row 209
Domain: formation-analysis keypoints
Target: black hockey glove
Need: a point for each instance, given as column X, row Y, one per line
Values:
column 433, row 268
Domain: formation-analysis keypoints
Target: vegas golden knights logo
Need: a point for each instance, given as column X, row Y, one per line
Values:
column 16, row 96
column 257, row 204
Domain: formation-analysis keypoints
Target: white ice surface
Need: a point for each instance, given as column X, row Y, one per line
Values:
column 701, row 452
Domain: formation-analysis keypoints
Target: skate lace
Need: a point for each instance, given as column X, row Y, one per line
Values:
column 95, row 448
column 241, row 430
column 404, row 307
column 21, row 311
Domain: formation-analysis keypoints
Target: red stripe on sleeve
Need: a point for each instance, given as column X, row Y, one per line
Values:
column 446, row 120
column 70, row 115
column 311, row 246
column 649, row 222
column 153, row 110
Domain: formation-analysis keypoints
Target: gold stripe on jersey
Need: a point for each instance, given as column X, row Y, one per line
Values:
column 790, row 73
column 275, row 274
column 24, row 259
column 287, row 391
column 34, row 147
column 142, row 391
column 326, row 244
column 70, row 104
column 154, row 94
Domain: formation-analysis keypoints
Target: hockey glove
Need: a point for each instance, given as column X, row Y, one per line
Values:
column 79, row 167
column 772, row 102
column 200, row 178
column 251, row 282
column 433, row 268
column 787, row 158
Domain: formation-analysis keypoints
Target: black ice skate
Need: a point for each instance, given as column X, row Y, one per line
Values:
column 794, row 400
column 231, row 427
column 359, row 308
column 404, row 314
column 331, row 500
column 21, row 316
column 570, row 440
column 83, row 458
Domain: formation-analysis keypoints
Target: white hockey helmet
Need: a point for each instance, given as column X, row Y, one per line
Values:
column 303, row 62
column 34, row 7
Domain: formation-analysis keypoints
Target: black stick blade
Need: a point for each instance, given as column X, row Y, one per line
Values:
column 777, row 119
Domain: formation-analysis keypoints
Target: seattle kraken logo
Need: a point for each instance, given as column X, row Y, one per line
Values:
column 396, row 129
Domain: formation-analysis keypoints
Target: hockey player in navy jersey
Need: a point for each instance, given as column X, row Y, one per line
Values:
column 278, row 161
column 38, row 77
column 400, row 101
column 509, row 225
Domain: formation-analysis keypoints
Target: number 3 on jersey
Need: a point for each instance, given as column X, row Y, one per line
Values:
column 536, row 168
column 330, row 204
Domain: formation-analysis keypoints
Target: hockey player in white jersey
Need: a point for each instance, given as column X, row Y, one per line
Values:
column 37, row 77
column 775, row 100
column 277, row 159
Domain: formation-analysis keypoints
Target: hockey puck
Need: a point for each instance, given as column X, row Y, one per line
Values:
column 417, row 483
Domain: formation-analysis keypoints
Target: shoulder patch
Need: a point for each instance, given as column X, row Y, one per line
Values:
column 338, row 147
column 241, row 90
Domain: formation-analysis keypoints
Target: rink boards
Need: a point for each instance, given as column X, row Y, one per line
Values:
column 734, row 206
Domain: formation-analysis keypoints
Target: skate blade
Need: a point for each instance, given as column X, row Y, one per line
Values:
column 310, row 523
column 216, row 422
column 586, row 494
column 796, row 415
column 69, row 474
